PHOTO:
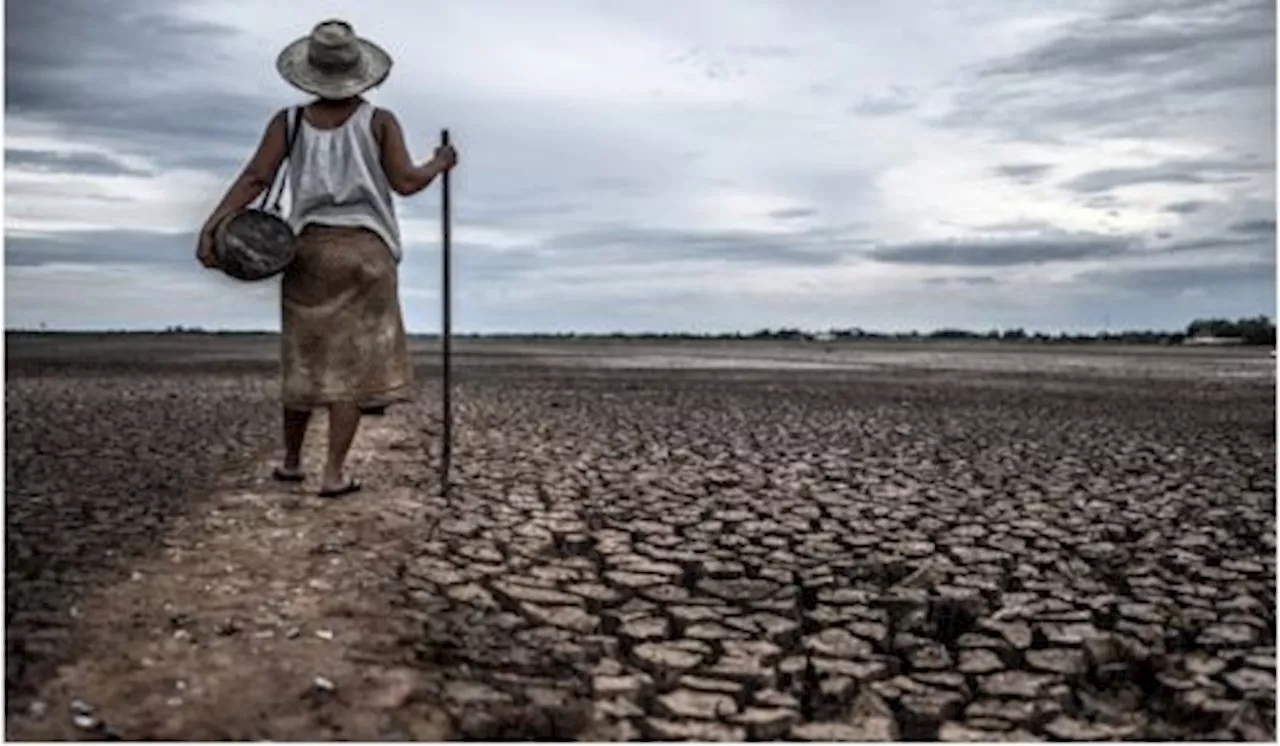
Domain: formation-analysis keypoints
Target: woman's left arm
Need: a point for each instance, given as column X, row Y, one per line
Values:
column 252, row 181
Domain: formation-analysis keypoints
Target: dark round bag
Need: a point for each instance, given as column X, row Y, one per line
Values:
column 257, row 243
column 254, row 245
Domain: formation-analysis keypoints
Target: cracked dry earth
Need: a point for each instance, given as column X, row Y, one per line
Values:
column 675, row 556
column 855, row 558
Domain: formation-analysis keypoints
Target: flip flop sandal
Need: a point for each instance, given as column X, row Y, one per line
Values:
column 281, row 475
column 352, row 485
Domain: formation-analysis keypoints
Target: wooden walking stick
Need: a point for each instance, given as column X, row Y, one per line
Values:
column 446, row 451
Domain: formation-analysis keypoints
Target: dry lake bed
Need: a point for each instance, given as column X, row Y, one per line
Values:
column 671, row 541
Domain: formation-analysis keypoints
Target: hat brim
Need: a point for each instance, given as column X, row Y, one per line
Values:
column 294, row 67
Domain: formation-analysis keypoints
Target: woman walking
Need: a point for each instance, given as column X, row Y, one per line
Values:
column 343, row 343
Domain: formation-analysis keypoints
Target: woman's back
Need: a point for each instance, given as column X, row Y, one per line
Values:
column 336, row 175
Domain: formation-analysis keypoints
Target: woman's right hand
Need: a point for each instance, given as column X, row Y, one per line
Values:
column 446, row 157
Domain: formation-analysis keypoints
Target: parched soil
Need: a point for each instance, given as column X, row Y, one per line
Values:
column 626, row 554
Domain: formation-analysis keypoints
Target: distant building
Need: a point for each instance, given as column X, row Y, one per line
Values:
column 1206, row 341
column 823, row 337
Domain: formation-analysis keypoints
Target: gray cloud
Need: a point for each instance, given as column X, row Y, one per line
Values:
column 1024, row 173
column 628, row 244
column 91, row 164
column 1003, row 252
column 1266, row 226
column 970, row 280
column 1214, row 243
column 895, row 101
column 101, row 248
column 1189, row 171
column 792, row 213
column 1179, row 279
column 1143, row 70
column 1129, row 40
column 104, row 72
column 1186, row 207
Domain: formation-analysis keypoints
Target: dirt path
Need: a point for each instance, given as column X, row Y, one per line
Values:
column 265, row 617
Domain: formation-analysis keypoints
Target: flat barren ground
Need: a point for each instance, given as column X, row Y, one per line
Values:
column 658, row 541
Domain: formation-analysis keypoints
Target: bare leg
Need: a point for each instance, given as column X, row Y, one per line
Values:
column 344, row 420
column 295, row 431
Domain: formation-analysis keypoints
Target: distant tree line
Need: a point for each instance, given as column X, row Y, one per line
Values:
column 1249, row 331
column 1258, row 330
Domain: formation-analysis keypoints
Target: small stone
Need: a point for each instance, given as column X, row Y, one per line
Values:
column 1069, row 635
column 931, row 657
column 877, row 634
column 633, row 580
column 1015, row 684
column 979, row 661
column 766, row 723
column 617, row 708
column 693, row 705
column 1203, row 665
column 1228, row 635
column 85, row 722
column 715, row 686
column 664, row 660
column 517, row 593
column 665, row 594
column 37, row 709
column 846, row 597
column 596, row 593
column 630, row 686
column 1251, row 681
column 470, row 693
column 744, row 670
column 649, row 628
column 711, row 631
column 989, row 724
column 564, row 617
column 323, row 684
column 742, row 590
column 291, row 633
column 972, row 733
column 944, row 680
column 856, row 670
column 1057, row 660
column 1017, row 634
column 1065, row 728
column 1103, row 649
column 838, row 643
column 1142, row 613
column 870, row 729
column 770, row 698
column 80, row 707
column 694, row 730
column 1022, row 713
column 761, row 650
column 932, row 709
column 324, row 634
column 838, row 688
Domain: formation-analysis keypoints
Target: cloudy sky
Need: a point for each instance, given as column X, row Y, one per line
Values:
column 669, row 165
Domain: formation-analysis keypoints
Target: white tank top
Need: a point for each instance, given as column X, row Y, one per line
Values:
column 336, row 178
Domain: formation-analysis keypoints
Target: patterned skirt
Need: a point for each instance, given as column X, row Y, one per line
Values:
column 342, row 334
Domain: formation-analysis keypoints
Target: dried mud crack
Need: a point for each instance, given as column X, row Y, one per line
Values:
column 675, row 556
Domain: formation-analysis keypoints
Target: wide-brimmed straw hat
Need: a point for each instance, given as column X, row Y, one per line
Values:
column 332, row 62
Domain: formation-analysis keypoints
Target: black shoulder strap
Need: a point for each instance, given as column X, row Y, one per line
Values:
column 292, row 123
